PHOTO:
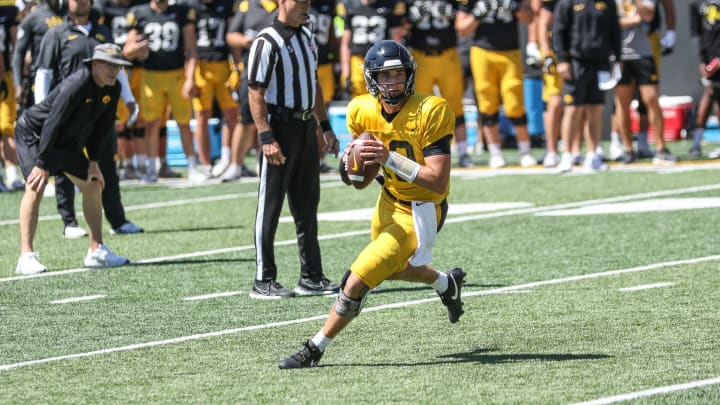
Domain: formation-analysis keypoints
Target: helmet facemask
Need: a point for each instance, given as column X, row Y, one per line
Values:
column 389, row 55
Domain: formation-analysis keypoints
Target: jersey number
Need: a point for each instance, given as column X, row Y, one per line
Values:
column 368, row 30
column 211, row 33
column 163, row 36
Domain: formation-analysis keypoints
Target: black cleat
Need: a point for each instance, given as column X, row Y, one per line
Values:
column 323, row 286
column 270, row 290
column 308, row 356
column 451, row 297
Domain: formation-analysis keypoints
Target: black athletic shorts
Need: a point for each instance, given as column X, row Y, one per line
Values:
column 70, row 160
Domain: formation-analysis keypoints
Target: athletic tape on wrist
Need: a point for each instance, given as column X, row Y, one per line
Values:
column 402, row 166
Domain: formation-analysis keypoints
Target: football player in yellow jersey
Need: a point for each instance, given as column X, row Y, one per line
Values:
column 412, row 143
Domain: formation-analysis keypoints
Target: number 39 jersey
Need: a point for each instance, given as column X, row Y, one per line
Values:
column 414, row 132
column 164, row 33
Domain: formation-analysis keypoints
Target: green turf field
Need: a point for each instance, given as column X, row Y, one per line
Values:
column 601, row 287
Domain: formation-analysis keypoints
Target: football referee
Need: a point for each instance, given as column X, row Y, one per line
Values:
column 286, row 103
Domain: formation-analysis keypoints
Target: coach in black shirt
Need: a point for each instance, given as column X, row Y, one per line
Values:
column 285, row 100
column 66, row 133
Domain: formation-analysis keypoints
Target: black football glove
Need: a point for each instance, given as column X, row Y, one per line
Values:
column 549, row 65
column 3, row 90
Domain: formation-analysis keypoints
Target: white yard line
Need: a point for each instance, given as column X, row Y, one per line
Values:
column 646, row 287
column 652, row 392
column 78, row 299
column 519, row 287
column 173, row 203
column 213, row 295
column 459, row 219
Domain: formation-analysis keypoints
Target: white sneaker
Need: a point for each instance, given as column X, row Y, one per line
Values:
column 551, row 160
column 74, row 232
column 497, row 161
column 616, row 151
column 714, row 154
column 233, row 172
column 199, row 174
column 104, row 257
column 527, row 160
column 566, row 163
column 29, row 263
column 220, row 168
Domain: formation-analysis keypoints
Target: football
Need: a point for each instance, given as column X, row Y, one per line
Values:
column 360, row 175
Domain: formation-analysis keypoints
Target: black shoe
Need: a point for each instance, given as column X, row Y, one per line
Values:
column 245, row 172
column 664, row 157
column 270, row 290
column 695, row 153
column 324, row 168
column 644, row 154
column 308, row 356
column 630, row 157
column 451, row 297
column 321, row 287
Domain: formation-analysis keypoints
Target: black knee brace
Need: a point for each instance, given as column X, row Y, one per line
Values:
column 489, row 120
column 521, row 121
column 347, row 306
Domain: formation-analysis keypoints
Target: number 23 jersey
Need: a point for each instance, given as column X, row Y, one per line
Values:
column 414, row 132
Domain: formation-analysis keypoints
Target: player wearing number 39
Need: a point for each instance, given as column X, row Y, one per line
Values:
column 413, row 134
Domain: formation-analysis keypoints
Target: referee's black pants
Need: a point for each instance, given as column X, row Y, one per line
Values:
column 111, row 200
column 299, row 178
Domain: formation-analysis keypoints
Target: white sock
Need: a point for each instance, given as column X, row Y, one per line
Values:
column 225, row 154
column 614, row 138
column 524, row 147
column 589, row 157
column 461, row 148
column 441, row 282
column 321, row 341
column 642, row 141
column 11, row 173
column 191, row 162
column 494, row 149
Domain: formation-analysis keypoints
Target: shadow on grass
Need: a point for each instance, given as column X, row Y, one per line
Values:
column 484, row 356
column 392, row 288
column 195, row 229
column 193, row 261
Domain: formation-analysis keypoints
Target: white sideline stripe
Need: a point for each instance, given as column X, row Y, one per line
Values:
column 211, row 296
column 181, row 256
column 652, row 392
column 165, row 204
column 460, row 219
column 502, row 290
column 646, row 287
column 629, row 197
column 78, row 299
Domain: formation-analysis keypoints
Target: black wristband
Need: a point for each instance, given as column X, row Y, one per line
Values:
column 325, row 126
column 266, row 137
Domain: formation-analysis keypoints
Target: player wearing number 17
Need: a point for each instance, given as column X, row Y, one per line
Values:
column 412, row 143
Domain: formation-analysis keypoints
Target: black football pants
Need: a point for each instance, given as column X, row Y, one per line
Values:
column 299, row 178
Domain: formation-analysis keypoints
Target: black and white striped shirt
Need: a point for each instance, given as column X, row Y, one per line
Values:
column 283, row 60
